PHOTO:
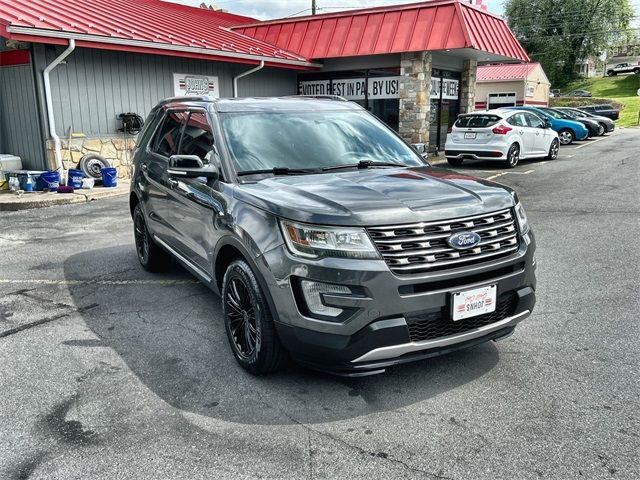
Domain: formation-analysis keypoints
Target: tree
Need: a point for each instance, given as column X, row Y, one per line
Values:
column 557, row 33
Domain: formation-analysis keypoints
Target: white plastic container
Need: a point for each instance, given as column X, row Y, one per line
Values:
column 88, row 182
column 9, row 162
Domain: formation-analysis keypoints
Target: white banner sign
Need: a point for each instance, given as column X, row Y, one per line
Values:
column 353, row 88
column 449, row 88
column 195, row 85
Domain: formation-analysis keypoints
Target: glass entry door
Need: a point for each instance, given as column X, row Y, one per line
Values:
column 445, row 106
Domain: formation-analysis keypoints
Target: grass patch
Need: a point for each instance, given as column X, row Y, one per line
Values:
column 619, row 91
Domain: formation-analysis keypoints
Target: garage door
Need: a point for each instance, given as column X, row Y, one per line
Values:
column 497, row 100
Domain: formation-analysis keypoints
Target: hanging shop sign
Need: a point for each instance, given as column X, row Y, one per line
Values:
column 449, row 88
column 195, row 85
column 379, row 88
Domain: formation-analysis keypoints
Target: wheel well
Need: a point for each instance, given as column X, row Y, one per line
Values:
column 226, row 255
column 133, row 202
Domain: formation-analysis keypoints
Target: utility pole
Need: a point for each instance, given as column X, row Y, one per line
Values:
column 313, row 7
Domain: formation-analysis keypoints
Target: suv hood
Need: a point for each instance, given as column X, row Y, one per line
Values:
column 376, row 196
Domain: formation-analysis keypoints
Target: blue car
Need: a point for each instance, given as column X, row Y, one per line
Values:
column 568, row 130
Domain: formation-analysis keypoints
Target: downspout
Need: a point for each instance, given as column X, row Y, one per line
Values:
column 244, row 74
column 49, row 101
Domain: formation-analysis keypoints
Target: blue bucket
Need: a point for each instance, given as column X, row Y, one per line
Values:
column 109, row 177
column 75, row 178
column 50, row 180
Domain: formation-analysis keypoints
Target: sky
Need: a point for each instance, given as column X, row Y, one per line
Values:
column 266, row 9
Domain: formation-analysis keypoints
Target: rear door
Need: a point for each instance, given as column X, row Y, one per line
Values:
column 154, row 168
column 474, row 129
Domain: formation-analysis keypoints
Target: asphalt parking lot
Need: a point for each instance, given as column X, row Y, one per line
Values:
column 107, row 371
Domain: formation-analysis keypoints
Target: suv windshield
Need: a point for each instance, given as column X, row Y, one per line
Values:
column 311, row 141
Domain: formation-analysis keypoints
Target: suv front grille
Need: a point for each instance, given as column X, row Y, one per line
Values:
column 422, row 247
column 437, row 325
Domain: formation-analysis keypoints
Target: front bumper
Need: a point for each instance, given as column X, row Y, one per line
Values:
column 392, row 319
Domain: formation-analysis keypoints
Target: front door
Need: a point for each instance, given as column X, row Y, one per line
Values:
column 196, row 205
column 527, row 134
column 542, row 134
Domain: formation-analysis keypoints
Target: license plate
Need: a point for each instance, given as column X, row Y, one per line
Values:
column 474, row 302
column 470, row 135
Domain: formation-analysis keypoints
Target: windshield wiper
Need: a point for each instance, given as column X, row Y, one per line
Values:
column 363, row 164
column 278, row 171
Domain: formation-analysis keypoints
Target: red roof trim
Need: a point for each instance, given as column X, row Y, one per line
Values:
column 14, row 57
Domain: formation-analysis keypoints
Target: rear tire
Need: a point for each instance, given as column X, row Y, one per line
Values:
column 248, row 321
column 455, row 162
column 150, row 255
column 566, row 136
column 553, row 150
column 513, row 155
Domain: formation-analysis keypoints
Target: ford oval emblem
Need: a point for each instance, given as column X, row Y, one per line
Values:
column 463, row 240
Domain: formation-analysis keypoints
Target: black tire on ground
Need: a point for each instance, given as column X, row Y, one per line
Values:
column 636, row 71
column 602, row 129
column 455, row 162
column 248, row 321
column 566, row 136
column 610, row 73
column 150, row 255
column 91, row 164
column 513, row 155
column 554, row 148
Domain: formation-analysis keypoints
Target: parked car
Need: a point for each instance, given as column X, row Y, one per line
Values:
column 328, row 237
column 623, row 68
column 503, row 135
column 595, row 129
column 607, row 124
column 568, row 130
column 578, row 93
column 603, row 110
column 554, row 92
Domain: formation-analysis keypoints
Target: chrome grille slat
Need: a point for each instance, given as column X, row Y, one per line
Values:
column 422, row 247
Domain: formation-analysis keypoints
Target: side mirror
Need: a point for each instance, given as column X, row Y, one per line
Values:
column 191, row 166
column 547, row 124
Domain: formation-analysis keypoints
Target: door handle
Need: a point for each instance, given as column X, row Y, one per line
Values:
column 144, row 167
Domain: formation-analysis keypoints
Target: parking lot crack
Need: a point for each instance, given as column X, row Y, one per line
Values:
column 45, row 320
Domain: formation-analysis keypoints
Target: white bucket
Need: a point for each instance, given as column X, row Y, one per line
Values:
column 88, row 182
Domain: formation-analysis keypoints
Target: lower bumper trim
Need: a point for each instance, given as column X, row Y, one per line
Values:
column 394, row 351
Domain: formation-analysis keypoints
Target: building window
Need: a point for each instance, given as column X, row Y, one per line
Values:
column 531, row 90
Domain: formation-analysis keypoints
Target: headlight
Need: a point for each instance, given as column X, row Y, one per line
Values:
column 521, row 216
column 312, row 241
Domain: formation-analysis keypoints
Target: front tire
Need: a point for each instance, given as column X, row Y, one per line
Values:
column 455, row 162
column 513, row 155
column 248, row 321
column 150, row 255
column 566, row 136
column 602, row 129
column 553, row 150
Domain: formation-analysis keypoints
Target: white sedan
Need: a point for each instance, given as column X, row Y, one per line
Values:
column 504, row 135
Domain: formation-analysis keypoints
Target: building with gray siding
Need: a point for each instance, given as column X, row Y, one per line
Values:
column 412, row 65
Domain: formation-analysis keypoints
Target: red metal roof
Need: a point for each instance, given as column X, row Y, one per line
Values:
column 434, row 25
column 139, row 25
column 487, row 73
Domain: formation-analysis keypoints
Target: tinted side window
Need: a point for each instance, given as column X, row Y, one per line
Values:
column 167, row 140
column 603, row 107
column 198, row 136
column 534, row 121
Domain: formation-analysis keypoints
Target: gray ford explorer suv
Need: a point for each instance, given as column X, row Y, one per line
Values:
column 329, row 239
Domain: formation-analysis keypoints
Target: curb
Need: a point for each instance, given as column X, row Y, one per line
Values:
column 14, row 203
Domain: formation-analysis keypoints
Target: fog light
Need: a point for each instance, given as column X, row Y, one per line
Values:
column 313, row 291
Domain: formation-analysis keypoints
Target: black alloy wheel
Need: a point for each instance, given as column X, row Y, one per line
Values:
column 150, row 255
column 248, row 321
column 242, row 318
column 513, row 155
column 553, row 150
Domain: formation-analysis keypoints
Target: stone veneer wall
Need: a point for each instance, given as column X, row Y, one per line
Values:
column 415, row 86
column 468, row 86
column 114, row 148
